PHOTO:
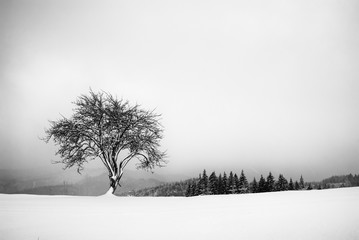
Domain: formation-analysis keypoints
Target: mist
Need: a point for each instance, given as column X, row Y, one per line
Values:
column 253, row 85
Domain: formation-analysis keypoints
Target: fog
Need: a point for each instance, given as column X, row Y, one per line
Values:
column 254, row 85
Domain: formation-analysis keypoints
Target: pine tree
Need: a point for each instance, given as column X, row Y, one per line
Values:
column 301, row 182
column 225, row 183
column 290, row 185
column 189, row 190
column 310, row 187
column 220, row 187
column 231, row 184
column 285, row 184
column 254, row 186
column 204, row 183
column 243, row 183
column 236, row 182
column 270, row 183
column 213, row 184
column 262, row 184
column 195, row 189
column 199, row 186
column 281, row 184
column 296, row 185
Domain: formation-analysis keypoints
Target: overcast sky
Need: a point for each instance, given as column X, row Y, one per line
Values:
column 254, row 85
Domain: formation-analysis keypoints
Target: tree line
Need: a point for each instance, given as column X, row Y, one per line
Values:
column 234, row 184
column 194, row 186
column 177, row 189
column 349, row 180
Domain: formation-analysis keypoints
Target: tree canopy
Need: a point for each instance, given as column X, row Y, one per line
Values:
column 102, row 127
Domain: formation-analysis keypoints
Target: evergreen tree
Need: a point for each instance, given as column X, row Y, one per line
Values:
column 254, row 186
column 236, row 182
column 225, row 183
column 195, row 189
column 270, row 183
column 301, row 182
column 213, row 184
column 204, row 183
column 310, row 187
column 243, row 183
column 296, row 185
column 199, row 186
column 281, row 184
column 231, row 184
column 220, row 187
column 189, row 190
column 290, row 185
column 262, row 184
column 285, row 184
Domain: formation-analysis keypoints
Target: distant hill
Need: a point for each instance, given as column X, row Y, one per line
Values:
column 91, row 186
column 163, row 190
column 349, row 180
column 64, row 189
column 17, row 180
column 92, row 182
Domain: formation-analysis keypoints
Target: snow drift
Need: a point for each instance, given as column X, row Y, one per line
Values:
column 324, row 214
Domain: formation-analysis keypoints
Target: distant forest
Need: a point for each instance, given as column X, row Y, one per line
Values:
column 234, row 184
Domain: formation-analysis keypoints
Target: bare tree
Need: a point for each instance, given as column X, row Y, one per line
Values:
column 102, row 127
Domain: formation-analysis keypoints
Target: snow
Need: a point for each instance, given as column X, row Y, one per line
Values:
column 316, row 214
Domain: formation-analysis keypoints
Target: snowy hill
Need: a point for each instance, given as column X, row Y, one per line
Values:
column 92, row 182
column 325, row 214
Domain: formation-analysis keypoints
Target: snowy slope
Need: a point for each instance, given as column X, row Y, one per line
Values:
column 325, row 214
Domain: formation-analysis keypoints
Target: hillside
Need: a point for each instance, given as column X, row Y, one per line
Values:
column 321, row 215
column 92, row 182
column 349, row 180
column 162, row 190
column 190, row 187
column 92, row 186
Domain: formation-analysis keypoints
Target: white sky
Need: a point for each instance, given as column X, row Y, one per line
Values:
column 254, row 85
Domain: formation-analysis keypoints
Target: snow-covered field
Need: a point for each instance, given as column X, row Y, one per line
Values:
column 324, row 214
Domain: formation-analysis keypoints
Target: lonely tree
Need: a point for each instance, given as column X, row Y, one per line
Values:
column 106, row 128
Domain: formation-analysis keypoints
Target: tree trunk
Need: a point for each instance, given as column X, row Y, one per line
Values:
column 114, row 182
